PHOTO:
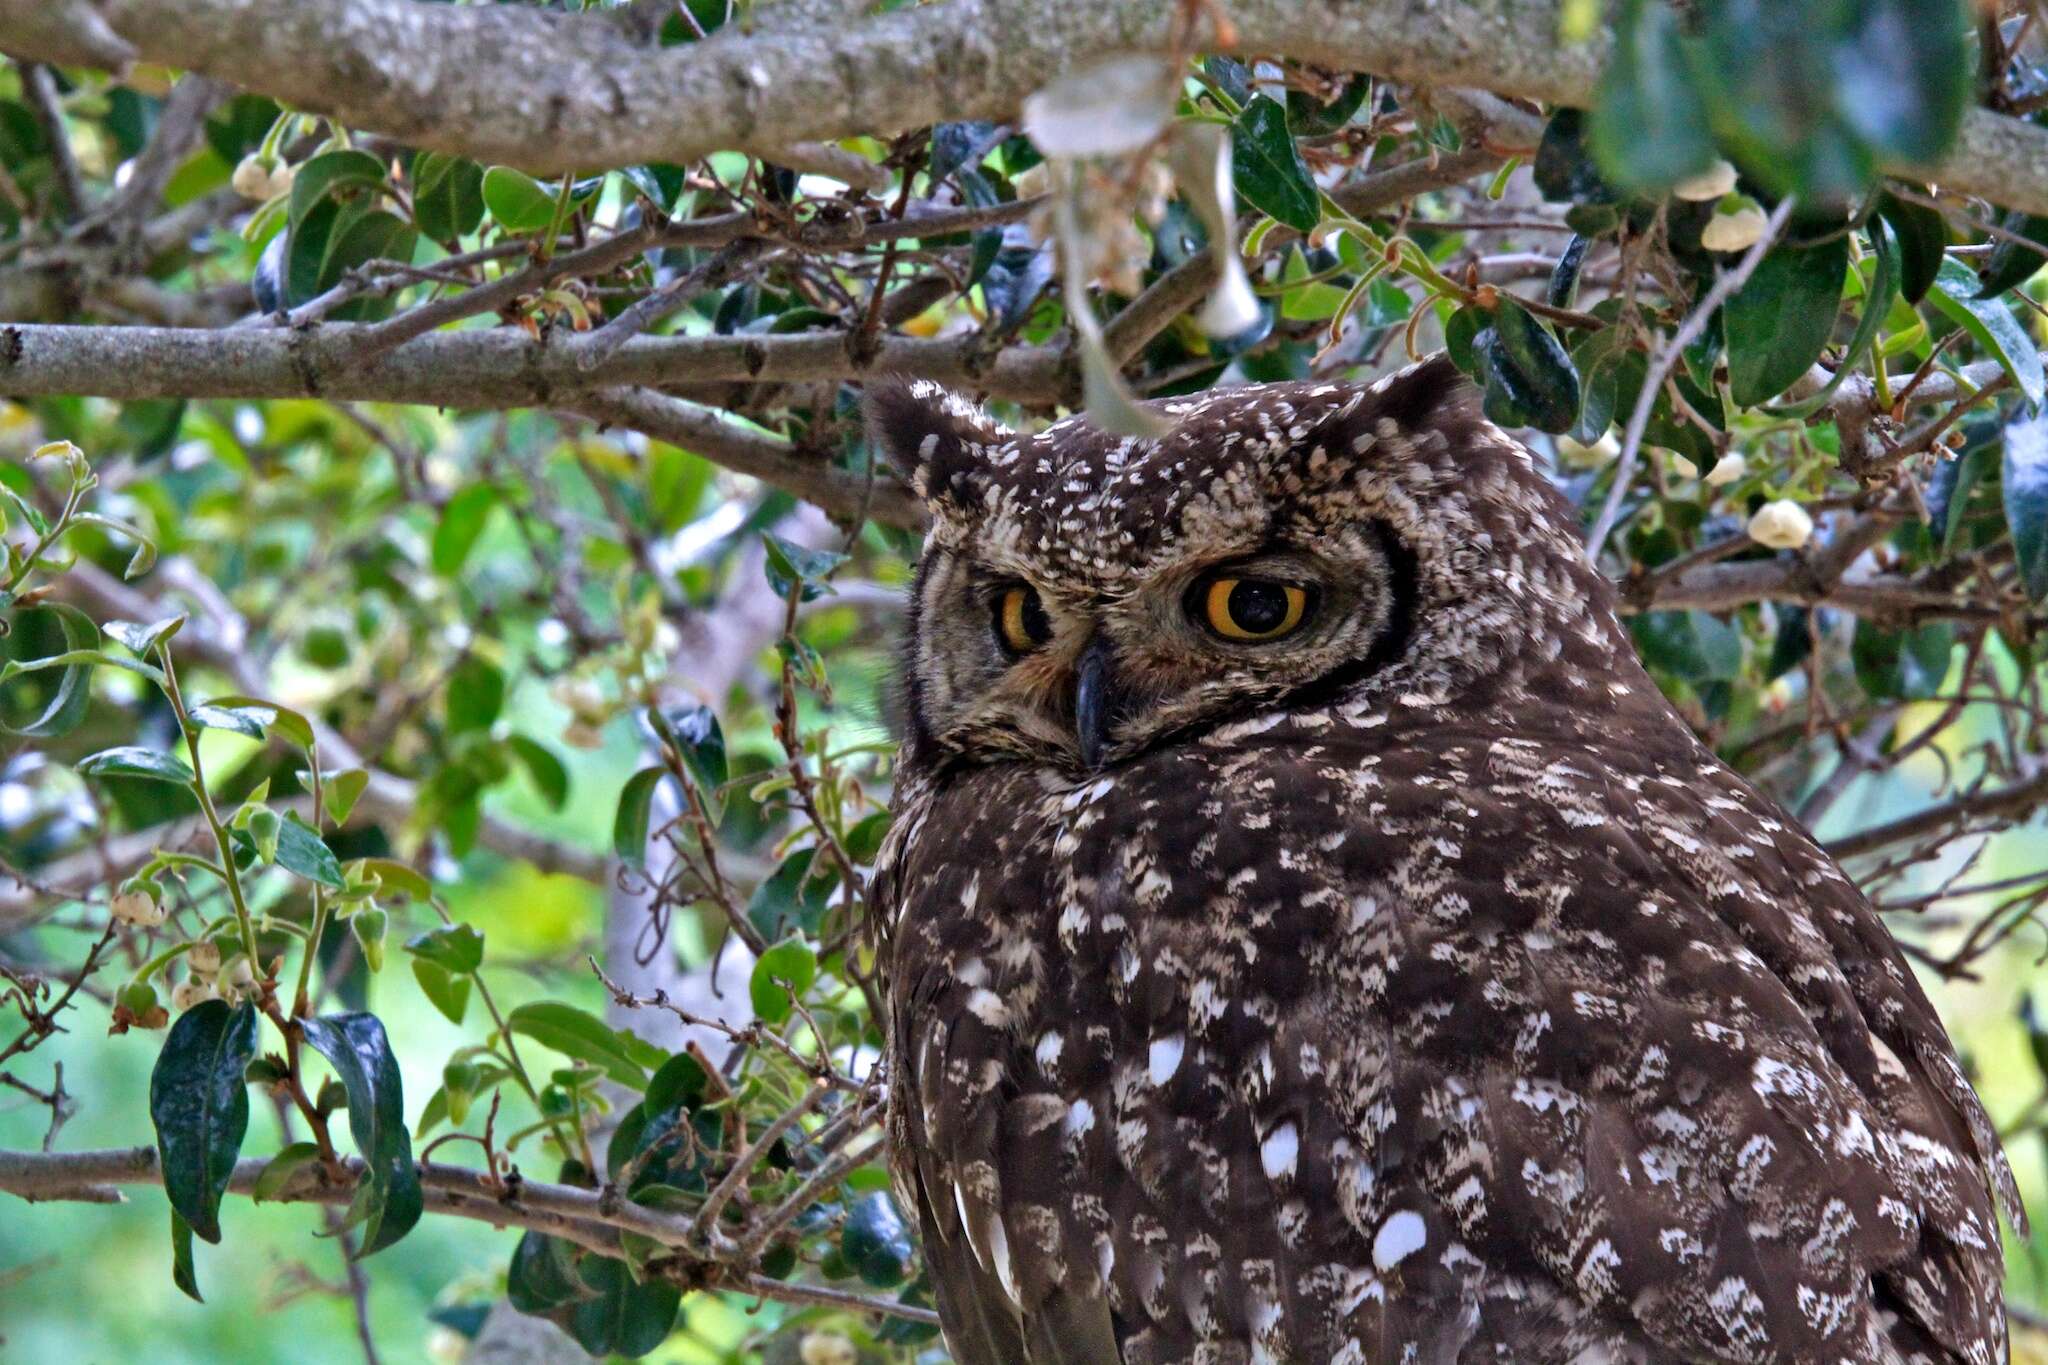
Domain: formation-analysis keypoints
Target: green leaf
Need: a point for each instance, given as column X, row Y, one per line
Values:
column 1267, row 167
column 2026, row 501
column 330, row 174
column 289, row 1161
column 2014, row 259
column 864, row 840
column 199, row 1103
column 790, row 565
column 1649, row 126
column 517, row 201
column 248, row 721
column 129, row 760
column 300, row 849
column 624, row 1318
column 631, row 824
column 791, row 963
column 340, row 792
column 876, row 1241
column 393, row 877
column 476, row 694
column 143, row 639
column 583, row 1036
column 1908, row 664
column 280, row 719
column 1877, row 303
column 445, row 991
column 1778, row 322
column 695, row 732
column 548, row 773
column 542, row 1276
column 791, row 896
column 67, row 705
column 1923, row 238
column 389, row 1201
column 1528, row 377
column 1991, row 324
column 184, row 1273
column 447, row 195
column 1311, row 118
column 462, row 521
column 457, row 948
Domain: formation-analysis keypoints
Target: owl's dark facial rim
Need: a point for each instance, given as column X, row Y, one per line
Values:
column 1007, row 662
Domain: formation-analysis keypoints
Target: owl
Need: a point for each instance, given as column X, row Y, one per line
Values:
column 1311, row 937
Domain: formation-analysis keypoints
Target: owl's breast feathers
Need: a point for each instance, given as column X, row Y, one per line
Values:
column 1310, row 1041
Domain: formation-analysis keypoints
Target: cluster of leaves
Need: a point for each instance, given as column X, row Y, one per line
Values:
column 434, row 647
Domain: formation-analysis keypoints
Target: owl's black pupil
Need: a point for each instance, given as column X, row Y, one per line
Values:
column 1257, row 606
column 1035, row 623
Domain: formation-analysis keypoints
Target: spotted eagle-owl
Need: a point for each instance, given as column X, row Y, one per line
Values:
column 1311, row 937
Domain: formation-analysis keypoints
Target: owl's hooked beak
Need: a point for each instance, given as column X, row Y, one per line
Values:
column 1099, row 700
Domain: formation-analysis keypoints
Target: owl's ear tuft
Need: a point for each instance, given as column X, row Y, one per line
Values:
column 935, row 440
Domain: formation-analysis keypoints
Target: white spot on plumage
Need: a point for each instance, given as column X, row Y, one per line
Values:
column 1164, row 1057
column 1399, row 1237
column 1279, row 1151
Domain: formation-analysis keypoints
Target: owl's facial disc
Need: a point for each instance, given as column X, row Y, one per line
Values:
column 1009, row 662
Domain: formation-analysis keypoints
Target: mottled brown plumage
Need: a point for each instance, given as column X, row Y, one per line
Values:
column 1411, row 988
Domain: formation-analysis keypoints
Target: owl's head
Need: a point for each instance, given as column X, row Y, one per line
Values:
column 1083, row 597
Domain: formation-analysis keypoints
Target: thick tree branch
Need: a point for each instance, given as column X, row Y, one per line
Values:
column 554, row 92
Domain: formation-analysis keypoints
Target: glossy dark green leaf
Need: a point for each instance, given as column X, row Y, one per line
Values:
column 142, row 638
column 184, row 1274
column 2016, row 258
column 1990, row 322
column 278, row 720
column 542, row 1276
column 697, row 736
column 447, row 195
column 1564, row 168
column 462, row 521
column 249, row 722
column 623, row 1317
column 66, row 709
column 632, row 822
column 1779, row 321
column 1908, row 665
column 476, row 694
column 787, row 969
column 330, row 175
column 876, row 1241
column 2026, row 500
column 301, row 850
column 1563, row 289
column 1649, row 126
column 277, row 1175
column 579, row 1034
column 1882, row 289
column 1949, row 492
column 1267, row 167
column 1922, row 235
column 791, row 897
column 1690, row 645
column 129, row 760
column 199, row 1102
column 1528, row 376
column 790, row 565
column 1461, row 331
column 389, row 1200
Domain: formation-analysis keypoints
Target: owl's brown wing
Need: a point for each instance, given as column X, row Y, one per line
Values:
column 1001, row 1301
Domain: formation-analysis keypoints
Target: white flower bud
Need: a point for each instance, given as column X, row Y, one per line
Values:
column 133, row 904
column 252, row 178
column 1782, row 525
column 281, row 179
column 1708, row 185
column 190, row 992
column 1684, row 468
column 1573, row 455
column 1232, row 308
column 203, row 958
column 827, row 1348
column 1737, row 231
column 1727, row 470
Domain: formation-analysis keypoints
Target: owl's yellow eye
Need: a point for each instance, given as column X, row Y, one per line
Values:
column 1021, row 622
column 1250, row 610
